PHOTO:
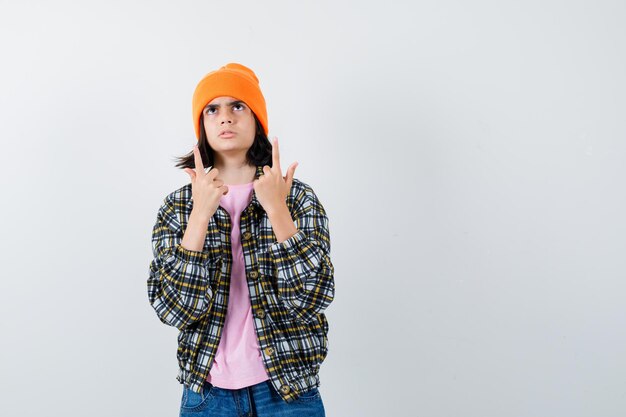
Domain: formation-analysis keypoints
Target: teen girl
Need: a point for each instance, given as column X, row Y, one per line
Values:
column 242, row 264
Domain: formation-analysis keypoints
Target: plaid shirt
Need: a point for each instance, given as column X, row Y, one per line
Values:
column 290, row 283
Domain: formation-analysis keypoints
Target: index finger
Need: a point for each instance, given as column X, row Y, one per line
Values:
column 276, row 156
column 198, row 161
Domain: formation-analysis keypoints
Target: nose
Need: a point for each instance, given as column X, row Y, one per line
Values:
column 226, row 118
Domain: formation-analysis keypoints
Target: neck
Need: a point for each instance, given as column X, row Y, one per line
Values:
column 234, row 171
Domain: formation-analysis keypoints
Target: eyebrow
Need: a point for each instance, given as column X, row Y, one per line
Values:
column 212, row 106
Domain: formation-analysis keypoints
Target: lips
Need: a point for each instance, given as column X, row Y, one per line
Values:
column 227, row 133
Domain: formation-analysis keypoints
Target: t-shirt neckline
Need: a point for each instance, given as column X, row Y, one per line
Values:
column 240, row 185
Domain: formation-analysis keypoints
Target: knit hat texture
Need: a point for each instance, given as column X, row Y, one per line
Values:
column 235, row 80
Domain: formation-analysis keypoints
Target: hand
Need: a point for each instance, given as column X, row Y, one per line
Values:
column 205, row 189
column 272, row 188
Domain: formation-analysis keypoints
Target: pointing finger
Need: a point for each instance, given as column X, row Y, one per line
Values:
column 198, row 161
column 276, row 156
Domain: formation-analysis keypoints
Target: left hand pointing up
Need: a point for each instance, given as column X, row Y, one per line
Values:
column 272, row 188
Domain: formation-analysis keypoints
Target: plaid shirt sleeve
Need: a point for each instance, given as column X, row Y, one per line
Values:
column 305, row 273
column 178, row 283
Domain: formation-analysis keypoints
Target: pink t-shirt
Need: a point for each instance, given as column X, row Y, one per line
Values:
column 238, row 362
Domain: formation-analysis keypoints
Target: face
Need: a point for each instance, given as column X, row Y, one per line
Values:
column 230, row 114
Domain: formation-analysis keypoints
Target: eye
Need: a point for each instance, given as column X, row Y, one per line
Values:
column 209, row 110
column 241, row 106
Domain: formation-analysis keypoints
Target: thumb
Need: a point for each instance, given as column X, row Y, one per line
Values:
column 191, row 173
column 290, row 171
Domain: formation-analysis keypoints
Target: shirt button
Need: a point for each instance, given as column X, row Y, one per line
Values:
column 269, row 351
column 254, row 274
column 247, row 235
column 260, row 313
column 285, row 389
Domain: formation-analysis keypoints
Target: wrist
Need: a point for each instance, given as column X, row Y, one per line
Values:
column 196, row 216
column 277, row 210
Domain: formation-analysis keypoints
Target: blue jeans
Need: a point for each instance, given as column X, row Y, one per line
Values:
column 260, row 400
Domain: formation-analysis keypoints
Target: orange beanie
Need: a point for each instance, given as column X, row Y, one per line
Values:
column 233, row 80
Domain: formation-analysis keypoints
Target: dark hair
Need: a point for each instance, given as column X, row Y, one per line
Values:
column 259, row 154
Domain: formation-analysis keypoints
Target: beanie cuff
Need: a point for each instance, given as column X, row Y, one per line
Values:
column 229, row 82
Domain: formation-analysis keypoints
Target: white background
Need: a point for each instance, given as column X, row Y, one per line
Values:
column 470, row 156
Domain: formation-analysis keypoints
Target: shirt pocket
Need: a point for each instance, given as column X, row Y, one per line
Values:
column 213, row 242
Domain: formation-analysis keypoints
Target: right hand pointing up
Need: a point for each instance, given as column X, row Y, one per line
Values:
column 205, row 189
